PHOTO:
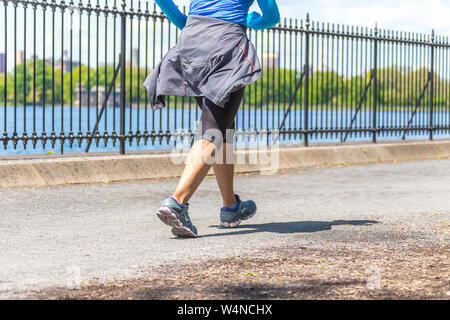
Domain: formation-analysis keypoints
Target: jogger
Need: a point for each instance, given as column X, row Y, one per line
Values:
column 213, row 61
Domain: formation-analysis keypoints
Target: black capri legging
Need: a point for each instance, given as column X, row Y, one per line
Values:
column 215, row 119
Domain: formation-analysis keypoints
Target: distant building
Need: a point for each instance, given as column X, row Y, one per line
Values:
column 64, row 63
column 2, row 63
column 134, row 58
column 270, row 60
column 81, row 90
column 323, row 66
column 19, row 57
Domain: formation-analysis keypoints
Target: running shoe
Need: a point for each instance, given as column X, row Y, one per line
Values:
column 230, row 218
column 177, row 216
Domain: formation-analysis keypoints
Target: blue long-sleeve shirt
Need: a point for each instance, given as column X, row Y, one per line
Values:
column 229, row 10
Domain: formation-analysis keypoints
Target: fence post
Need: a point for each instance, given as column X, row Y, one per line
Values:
column 306, row 108
column 432, row 85
column 122, row 79
column 375, row 84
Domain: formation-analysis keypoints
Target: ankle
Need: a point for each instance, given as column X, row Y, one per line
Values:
column 230, row 203
column 177, row 200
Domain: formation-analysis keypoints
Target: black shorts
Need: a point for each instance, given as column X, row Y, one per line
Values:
column 216, row 122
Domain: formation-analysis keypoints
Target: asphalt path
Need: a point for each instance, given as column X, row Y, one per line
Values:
column 60, row 236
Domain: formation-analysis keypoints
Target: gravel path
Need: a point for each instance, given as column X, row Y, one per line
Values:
column 292, row 272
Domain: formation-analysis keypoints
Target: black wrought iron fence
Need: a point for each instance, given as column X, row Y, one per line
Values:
column 65, row 66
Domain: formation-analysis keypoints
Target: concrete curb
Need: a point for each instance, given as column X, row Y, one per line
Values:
column 97, row 169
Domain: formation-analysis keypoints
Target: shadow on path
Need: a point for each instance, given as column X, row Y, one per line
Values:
column 290, row 227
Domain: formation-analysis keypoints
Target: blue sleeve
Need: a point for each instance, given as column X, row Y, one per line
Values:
column 270, row 15
column 172, row 12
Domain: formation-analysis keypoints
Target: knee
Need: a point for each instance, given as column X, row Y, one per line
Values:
column 204, row 151
column 214, row 136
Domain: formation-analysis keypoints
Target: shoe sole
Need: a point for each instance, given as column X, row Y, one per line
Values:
column 171, row 219
column 230, row 224
column 183, row 233
column 235, row 223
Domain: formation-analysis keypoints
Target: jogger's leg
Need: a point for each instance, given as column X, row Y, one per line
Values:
column 224, row 172
column 199, row 160
column 197, row 166
column 224, row 168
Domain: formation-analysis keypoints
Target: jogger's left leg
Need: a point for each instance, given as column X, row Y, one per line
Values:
column 195, row 171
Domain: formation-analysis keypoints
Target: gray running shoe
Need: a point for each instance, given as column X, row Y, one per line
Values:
column 231, row 218
column 172, row 214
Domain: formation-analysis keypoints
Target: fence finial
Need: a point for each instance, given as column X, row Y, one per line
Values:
column 308, row 22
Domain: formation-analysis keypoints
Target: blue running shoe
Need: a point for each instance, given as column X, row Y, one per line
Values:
column 230, row 218
column 176, row 216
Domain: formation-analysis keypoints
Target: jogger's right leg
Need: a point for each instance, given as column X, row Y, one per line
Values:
column 224, row 173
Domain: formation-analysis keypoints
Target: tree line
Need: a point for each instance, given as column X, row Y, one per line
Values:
column 395, row 86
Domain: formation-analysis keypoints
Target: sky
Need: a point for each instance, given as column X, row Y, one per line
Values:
column 404, row 15
column 417, row 16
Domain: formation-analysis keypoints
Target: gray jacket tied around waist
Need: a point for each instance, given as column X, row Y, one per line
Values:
column 211, row 59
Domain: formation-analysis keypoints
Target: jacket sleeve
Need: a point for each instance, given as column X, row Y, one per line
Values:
column 270, row 15
column 172, row 12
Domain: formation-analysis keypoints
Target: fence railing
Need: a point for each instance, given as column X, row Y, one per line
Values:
column 59, row 60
